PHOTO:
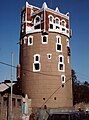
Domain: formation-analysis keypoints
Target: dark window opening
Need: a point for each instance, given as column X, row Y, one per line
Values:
column 30, row 40
column 19, row 102
column 63, row 78
column 37, row 26
column 60, row 59
column 58, row 47
column 37, row 66
column 44, row 39
column 63, row 29
column 55, row 98
column 49, row 56
column 43, row 98
column 37, row 58
column 62, row 85
column 37, row 19
column 51, row 26
column 57, row 27
column 68, row 51
column 61, row 66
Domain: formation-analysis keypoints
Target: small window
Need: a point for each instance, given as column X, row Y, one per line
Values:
column 59, row 47
column 61, row 67
column 61, row 58
column 55, row 98
column 51, row 19
column 44, row 39
column 30, row 40
column 49, row 56
column 51, row 26
column 63, row 79
column 43, row 98
column 13, row 102
column 57, row 21
column 63, row 29
column 57, row 27
column 36, row 64
column 63, row 23
column 37, row 58
column 37, row 19
column 37, row 27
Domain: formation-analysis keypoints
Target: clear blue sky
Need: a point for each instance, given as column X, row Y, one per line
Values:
column 10, row 33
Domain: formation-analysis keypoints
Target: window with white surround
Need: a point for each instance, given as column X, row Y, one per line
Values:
column 58, row 44
column 44, row 39
column 57, row 23
column 51, row 21
column 61, row 65
column 36, row 64
column 63, row 79
column 63, row 23
column 30, row 40
column 67, row 40
column 37, row 22
column 49, row 56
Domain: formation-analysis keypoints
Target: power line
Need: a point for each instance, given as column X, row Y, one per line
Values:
column 28, row 70
column 54, row 92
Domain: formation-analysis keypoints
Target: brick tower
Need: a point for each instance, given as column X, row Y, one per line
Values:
column 45, row 71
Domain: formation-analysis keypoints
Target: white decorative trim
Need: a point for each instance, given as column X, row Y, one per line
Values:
column 58, row 42
column 35, row 58
column 62, row 58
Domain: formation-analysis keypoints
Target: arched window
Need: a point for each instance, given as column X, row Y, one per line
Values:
column 37, row 21
column 63, row 23
column 51, row 21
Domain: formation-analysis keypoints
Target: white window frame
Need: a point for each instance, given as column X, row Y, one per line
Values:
column 36, row 23
column 48, row 55
column 38, row 62
column 29, row 44
column 64, row 23
column 61, row 63
column 57, row 24
column 58, row 43
column 63, row 82
column 51, row 22
column 67, row 40
column 46, row 39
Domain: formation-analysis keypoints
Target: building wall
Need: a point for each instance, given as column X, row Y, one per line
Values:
column 39, row 86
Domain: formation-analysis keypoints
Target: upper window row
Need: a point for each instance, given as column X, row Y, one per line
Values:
column 57, row 20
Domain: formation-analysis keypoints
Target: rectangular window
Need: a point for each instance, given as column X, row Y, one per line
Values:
column 18, row 102
column 30, row 40
column 44, row 39
column 51, row 26
column 58, row 47
column 36, row 64
column 61, row 65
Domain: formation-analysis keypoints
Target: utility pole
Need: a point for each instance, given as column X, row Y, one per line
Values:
column 11, row 111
